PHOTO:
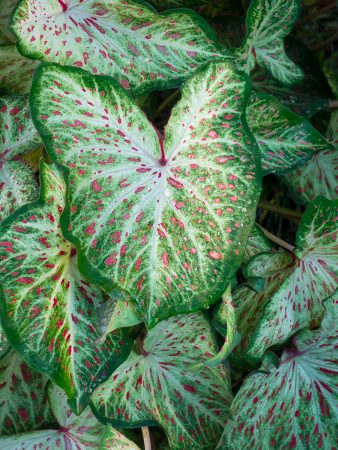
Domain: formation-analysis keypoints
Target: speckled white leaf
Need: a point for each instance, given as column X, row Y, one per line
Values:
column 133, row 200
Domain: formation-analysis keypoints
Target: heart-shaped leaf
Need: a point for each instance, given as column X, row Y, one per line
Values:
column 257, row 243
column 131, row 201
column 6, row 9
column 159, row 386
column 125, row 39
column 319, row 176
column 47, row 308
column 293, row 403
column 73, row 432
column 267, row 23
column 23, row 402
column 18, row 136
column 285, row 139
column 16, row 72
column 297, row 302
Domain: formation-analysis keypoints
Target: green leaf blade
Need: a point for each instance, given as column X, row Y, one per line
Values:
column 129, row 202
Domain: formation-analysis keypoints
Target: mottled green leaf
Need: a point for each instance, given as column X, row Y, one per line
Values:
column 159, row 386
column 46, row 306
column 292, row 404
column 257, row 243
column 250, row 305
column 125, row 39
column 16, row 72
column 297, row 303
column 225, row 322
column 23, row 402
column 18, row 135
column 114, row 440
column 319, row 176
column 73, row 433
column 6, row 9
column 4, row 344
column 131, row 202
column 285, row 139
column 268, row 22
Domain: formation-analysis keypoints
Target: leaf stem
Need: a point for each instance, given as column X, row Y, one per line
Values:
column 284, row 212
column 64, row 5
column 166, row 102
column 277, row 240
column 146, row 438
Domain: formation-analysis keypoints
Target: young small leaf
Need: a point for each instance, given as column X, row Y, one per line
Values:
column 74, row 432
column 23, row 401
column 18, row 136
column 16, row 72
column 285, row 139
column 297, row 302
column 292, row 404
column 159, row 386
column 125, row 39
column 46, row 306
column 134, row 195
column 319, row 176
column 268, row 22
column 257, row 243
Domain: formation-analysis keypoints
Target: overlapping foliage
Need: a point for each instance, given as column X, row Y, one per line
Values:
column 124, row 217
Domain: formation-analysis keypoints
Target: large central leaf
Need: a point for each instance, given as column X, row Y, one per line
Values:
column 166, row 220
column 126, row 39
column 46, row 306
column 159, row 385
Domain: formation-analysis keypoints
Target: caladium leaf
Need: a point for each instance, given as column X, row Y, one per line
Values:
column 319, row 176
column 250, row 305
column 159, row 386
column 131, row 201
column 23, row 401
column 125, row 39
column 285, row 139
column 114, row 440
column 4, row 344
column 257, row 243
column 292, row 404
column 6, row 9
column 297, row 303
column 268, row 22
column 73, row 432
column 18, row 135
column 16, row 72
column 225, row 322
column 46, row 306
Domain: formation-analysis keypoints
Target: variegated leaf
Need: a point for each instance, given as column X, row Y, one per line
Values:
column 285, row 139
column 125, row 39
column 6, row 9
column 159, row 387
column 268, row 22
column 250, row 305
column 319, row 176
column 23, row 401
column 82, row 432
column 257, row 243
column 16, row 72
column 131, row 202
column 46, row 306
column 114, row 440
column 18, row 135
column 297, row 303
column 292, row 404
